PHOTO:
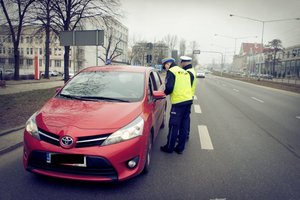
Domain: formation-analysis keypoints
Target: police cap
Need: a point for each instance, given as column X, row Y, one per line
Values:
column 165, row 60
column 185, row 59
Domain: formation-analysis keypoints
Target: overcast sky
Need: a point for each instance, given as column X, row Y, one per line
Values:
column 200, row 20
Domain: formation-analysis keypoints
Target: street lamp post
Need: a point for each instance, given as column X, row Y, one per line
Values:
column 235, row 39
column 263, row 29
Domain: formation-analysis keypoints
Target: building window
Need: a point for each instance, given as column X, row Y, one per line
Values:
column 21, row 61
column 0, row 50
column 22, row 51
column 2, row 60
column 41, row 51
column 27, row 39
column 29, row 62
column 40, row 62
column 57, row 63
column 31, row 51
column 50, row 63
column 11, row 60
column 27, row 51
column 21, row 39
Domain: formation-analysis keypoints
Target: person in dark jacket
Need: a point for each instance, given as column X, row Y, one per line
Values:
column 178, row 86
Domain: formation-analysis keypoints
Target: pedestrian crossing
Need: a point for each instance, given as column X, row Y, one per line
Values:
column 205, row 140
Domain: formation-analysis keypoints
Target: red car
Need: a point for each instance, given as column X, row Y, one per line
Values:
column 99, row 127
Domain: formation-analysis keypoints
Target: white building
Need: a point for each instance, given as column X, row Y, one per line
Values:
column 32, row 43
column 115, row 37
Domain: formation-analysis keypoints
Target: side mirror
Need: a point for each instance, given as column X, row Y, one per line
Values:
column 57, row 90
column 159, row 95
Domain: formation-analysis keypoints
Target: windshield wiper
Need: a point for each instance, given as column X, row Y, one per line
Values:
column 104, row 98
column 74, row 97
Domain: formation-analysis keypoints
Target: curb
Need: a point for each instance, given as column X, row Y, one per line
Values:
column 2, row 133
column 12, row 147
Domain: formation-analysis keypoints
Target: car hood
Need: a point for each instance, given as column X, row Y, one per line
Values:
column 87, row 114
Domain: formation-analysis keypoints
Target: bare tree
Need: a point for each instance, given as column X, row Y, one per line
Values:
column 69, row 14
column 275, row 46
column 17, row 18
column 171, row 41
column 44, row 14
column 182, row 47
column 114, row 40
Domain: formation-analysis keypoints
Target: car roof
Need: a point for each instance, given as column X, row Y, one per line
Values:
column 126, row 68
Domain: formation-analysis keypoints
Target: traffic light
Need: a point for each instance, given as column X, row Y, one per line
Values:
column 149, row 58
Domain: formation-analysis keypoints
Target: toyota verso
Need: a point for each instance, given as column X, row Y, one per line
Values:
column 99, row 127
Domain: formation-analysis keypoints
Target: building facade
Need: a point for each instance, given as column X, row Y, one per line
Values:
column 115, row 43
column 32, row 43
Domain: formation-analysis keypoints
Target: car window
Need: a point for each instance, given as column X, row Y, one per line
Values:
column 127, row 86
column 157, row 79
column 150, row 89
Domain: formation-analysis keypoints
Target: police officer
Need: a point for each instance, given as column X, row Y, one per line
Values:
column 178, row 86
column 186, row 64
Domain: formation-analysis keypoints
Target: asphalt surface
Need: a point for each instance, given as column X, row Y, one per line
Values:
column 247, row 148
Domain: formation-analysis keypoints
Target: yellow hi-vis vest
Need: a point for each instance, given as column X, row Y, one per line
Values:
column 182, row 88
column 192, row 70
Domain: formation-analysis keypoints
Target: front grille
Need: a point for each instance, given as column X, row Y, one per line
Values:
column 49, row 137
column 89, row 141
column 95, row 166
column 86, row 141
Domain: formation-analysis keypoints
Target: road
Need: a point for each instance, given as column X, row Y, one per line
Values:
column 244, row 144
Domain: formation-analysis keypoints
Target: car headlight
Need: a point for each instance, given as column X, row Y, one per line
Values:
column 31, row 127
column 132, row 130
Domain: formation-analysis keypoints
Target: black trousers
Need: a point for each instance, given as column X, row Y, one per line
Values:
column 179, row 126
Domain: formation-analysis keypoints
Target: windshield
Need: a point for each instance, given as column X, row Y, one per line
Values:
column 105, row 86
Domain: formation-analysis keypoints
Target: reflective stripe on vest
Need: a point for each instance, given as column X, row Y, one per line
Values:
column 182, row 88
column 192, row 70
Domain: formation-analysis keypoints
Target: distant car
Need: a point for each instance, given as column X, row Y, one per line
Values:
column 51, row 73
column 70, row 75
column 99, row 127
column 200, row 74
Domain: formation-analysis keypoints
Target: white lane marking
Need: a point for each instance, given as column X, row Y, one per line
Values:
column 197, row 108
column 298, row 117
column 205, row 140
column 256, row 99
column 195, row 97
column 236, row 90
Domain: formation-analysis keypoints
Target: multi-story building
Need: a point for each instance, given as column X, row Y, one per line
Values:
column 115, row 38
column 32, row 43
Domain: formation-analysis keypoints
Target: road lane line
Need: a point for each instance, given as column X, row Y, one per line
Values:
column 195, row 97
column 197, row 108
column 256, row 99
column 205, row 140
column 298, row 117
column 236, row 90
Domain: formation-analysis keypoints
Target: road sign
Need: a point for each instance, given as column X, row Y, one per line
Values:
column 196, row 52
column 82, row 38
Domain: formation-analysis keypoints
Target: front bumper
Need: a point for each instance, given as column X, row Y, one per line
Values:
column 103, row 163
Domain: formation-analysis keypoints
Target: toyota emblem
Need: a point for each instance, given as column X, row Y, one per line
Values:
column 66, row 141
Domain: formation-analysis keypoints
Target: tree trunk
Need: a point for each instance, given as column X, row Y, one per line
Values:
column 47, row 53
column 66, row 63
column 17, row 61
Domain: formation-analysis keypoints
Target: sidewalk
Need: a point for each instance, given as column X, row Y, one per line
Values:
column 13, row 86
column 13, row 138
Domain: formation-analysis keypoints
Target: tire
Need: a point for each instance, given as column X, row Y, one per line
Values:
column 148, row 158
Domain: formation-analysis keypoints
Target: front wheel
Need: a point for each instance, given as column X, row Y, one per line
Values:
column 148, row 159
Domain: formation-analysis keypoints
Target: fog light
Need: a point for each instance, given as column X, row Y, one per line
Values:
column 131, row 164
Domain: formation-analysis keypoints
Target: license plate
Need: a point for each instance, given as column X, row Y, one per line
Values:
column 66, row 159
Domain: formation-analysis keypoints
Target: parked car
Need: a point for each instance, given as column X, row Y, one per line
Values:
column 71, row 74
column 200, row 74
column 99, row 127
column 51, row 73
